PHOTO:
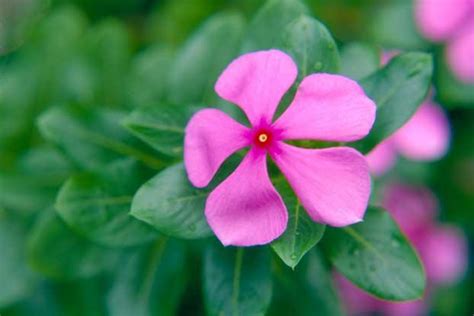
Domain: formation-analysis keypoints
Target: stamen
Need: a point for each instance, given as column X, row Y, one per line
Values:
column 262, row 137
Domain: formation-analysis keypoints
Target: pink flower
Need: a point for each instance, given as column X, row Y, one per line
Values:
column 424, row 137
column 333, row 184
column 442, row 248
column 451, row 21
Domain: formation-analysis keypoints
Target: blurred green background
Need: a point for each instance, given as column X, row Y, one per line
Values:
column 100, row 59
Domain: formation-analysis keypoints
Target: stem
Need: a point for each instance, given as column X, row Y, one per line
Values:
column 236, row 282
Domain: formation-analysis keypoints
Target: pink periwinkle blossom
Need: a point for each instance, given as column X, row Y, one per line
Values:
column 450, row 21
column 425, row 137
column 333, row 184
column 442, row 249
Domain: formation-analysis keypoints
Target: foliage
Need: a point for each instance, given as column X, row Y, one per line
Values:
column 95, row 205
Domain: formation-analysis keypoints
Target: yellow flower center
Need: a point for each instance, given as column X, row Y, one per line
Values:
column 262, row 137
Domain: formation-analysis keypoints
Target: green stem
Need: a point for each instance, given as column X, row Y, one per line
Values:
column 236, row 282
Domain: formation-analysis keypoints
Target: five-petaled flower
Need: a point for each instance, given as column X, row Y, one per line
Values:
column 333, row 184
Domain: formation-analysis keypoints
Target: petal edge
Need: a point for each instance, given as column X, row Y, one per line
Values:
column 245, row 209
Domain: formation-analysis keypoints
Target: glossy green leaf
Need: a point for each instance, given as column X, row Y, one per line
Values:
column 397, row 89
column 17, row 281
column 358, row 60
column 311, row 45
column 271, row 21
column 301, row 233
column 307, row 289
column 203, row 57
column 97, row 204
column 149, row 282
column 91, row 138
column 172, row 205
column 57, row 252
column 377, row 257
column 161, row 126
column 237, row 281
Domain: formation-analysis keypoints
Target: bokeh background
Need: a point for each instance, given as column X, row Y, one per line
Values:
column 90, row 54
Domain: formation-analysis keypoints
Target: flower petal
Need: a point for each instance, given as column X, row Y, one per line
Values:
column 461, row 54
column 245, row 209
column 333, row 184
column 425, row 136
column 211, row 137
column 256, row 82
column 444, row 254
column 381, row 158
column 328, row 107
column 439, row 19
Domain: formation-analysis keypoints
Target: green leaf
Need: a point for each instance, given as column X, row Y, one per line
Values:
column 358, row 60
column 150, row 282
column 57, row 252
column 203, row 57
column 305, row 290
column 161, row 126
column 301, row 234
column 91, row 138
column 237, row 281
column 149, row 75
column 271, row 21
column 172, row 205
column 397, row 89
column 377, row 257
column 311, row 45
column 17, row 280
column 96, row 205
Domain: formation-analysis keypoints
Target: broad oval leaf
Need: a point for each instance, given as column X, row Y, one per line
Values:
column 17, row 280
column 150, row 281
column 377, row 257
column 237, row 281
column 311, row 45
column 301, row 234
column 57, row 252
column 203, row 57
column 397, row 89
column 97, row 204
column 161, row 126
column 266, row 28
column 91, row 138
column 172, row 205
